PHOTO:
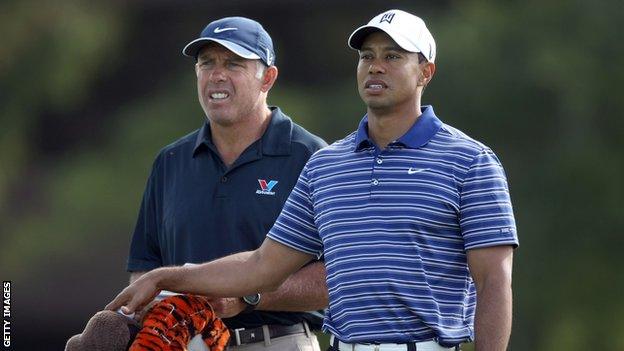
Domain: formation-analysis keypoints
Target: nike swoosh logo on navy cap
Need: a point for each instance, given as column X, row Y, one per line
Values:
column 219, row 30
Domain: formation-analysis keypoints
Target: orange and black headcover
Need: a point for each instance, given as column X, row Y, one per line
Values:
column 171, row 323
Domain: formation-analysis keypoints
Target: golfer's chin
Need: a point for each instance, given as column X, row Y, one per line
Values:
column 377, row 102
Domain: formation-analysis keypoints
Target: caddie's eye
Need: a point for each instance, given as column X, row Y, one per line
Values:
column 203, row 63
column 235, row 64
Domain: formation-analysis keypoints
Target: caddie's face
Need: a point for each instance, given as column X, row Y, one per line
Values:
column 228, row 85
column 388, row 76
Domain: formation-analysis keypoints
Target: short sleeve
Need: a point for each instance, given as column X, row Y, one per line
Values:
column 486, row 213
column 295, row 226
column 145, row 252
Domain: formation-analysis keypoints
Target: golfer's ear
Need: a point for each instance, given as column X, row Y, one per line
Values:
column 427, row 70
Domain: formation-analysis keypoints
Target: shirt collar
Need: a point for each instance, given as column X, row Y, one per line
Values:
column 419, row 134
column 275, row 140
column 203, row 140
column 361, row 138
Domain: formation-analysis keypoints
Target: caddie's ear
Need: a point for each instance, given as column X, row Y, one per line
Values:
column 269, row 78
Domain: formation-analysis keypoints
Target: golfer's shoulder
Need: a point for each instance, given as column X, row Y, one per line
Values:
column 458, row 143
column 335, row 152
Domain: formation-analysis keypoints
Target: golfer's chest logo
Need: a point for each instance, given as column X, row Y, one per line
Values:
column 266, row 188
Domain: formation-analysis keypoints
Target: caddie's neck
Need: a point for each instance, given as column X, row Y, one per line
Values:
column 231, row 139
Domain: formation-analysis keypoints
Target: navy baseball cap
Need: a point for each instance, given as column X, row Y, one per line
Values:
column 243, row 36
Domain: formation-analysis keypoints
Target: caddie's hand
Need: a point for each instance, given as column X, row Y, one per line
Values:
column 227, row 306
column 136, row 296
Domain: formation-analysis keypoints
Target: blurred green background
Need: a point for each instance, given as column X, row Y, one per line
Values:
column 91, row 90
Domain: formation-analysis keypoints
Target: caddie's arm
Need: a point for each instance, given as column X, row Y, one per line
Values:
column 136, row 275
column 304, row 290
column 264, row 269
column 491, row 270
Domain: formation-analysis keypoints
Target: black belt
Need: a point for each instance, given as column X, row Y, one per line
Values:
column 242, row 336
column 410, row 346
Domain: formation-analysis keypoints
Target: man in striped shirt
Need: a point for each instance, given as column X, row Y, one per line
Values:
column 413, row 217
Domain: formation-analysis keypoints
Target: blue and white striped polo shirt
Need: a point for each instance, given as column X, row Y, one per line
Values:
column 394, row 226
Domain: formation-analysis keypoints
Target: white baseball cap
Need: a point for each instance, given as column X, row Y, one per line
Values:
column 407, row 30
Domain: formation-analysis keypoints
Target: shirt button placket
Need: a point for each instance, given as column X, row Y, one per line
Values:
column 377, row 161
column 222, row 186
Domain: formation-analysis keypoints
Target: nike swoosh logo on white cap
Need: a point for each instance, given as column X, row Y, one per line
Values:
column 219, row 30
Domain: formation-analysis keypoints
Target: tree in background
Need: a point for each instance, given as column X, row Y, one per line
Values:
column 90, row 91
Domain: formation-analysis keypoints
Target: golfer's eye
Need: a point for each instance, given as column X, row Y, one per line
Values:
column 366, row 57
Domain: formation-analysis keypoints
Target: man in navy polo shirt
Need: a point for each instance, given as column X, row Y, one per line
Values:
column 413, row 217
column 218, row 190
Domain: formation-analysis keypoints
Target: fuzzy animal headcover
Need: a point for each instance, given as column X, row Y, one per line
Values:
column 169, row 325
column 106, row 330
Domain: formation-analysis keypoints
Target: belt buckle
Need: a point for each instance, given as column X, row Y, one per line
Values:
column 237, row 335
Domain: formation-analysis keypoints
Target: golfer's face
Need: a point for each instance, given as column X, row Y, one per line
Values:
column 387, row 75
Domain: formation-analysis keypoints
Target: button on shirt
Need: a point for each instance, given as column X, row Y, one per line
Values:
column 195, row 209
column 394, row 226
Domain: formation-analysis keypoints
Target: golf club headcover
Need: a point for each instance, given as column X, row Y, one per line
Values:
column 171, row 323
column 105, row 331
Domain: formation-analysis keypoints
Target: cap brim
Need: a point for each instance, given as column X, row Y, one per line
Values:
column 359, row 35
column 192, row 49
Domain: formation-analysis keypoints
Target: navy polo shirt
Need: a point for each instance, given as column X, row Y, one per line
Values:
column 195, row 209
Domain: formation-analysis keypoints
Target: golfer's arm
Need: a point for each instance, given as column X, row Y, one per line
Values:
column 264, row 269
column 491, row 270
